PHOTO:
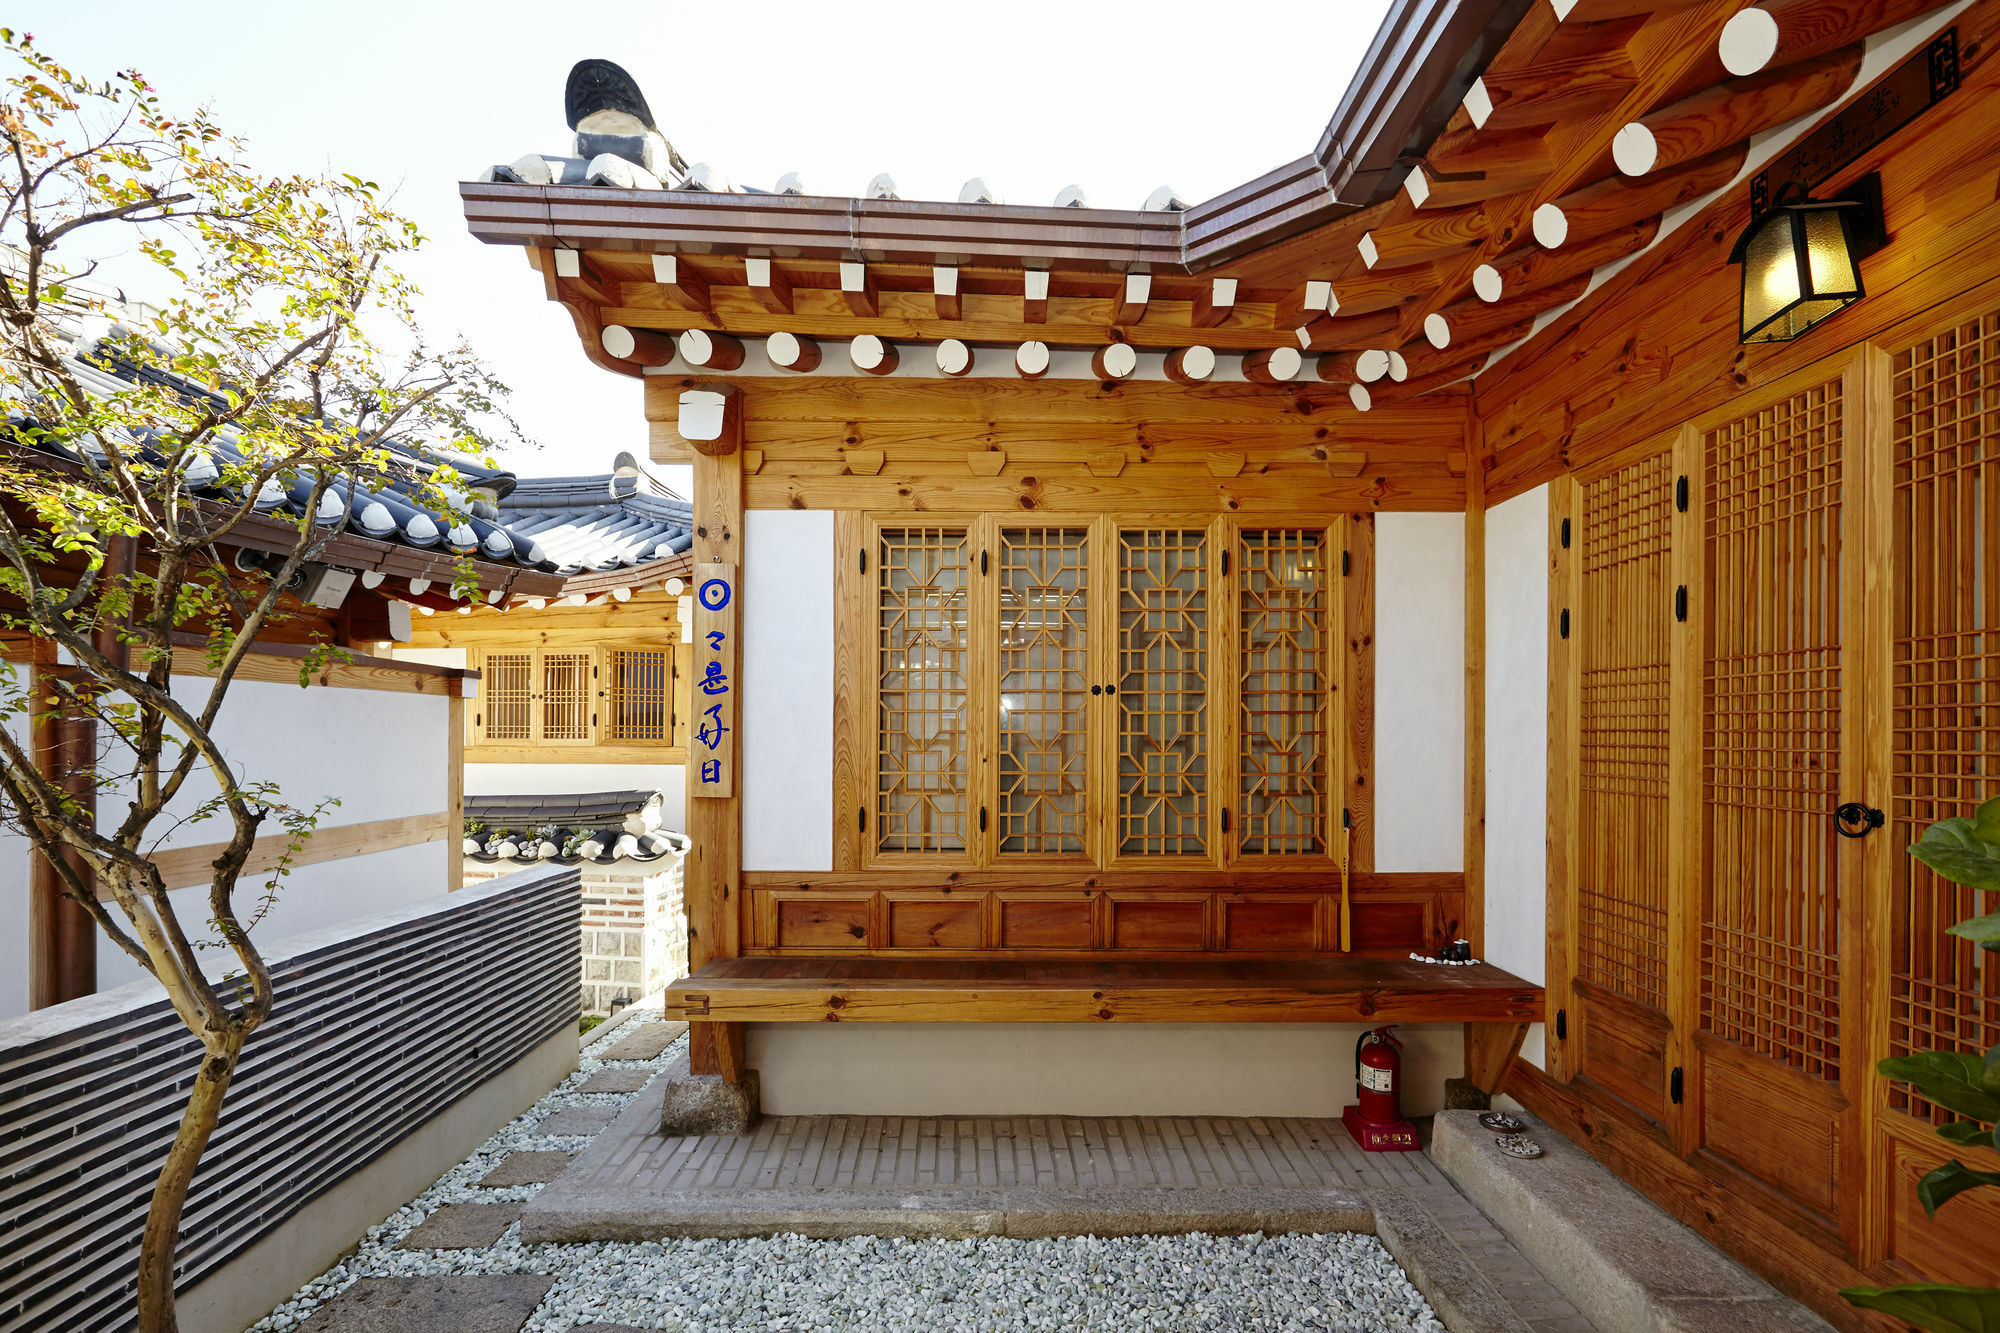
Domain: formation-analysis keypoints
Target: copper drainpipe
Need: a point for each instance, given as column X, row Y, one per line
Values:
column 62, row 938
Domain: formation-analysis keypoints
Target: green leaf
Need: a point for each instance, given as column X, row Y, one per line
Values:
column 1949, row 1181
column 1953, row 1079
column 1981, row 930
column 1934, row 1306
column 1957, row 850
column 1986, row 823
column 1970, row 1133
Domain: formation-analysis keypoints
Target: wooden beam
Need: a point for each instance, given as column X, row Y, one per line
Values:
column 1138, row 290
column 1114, row 362
column 1622, row 201
column 1215, row 305
column 711, row 351
column 1035, row 296
column 789, row 351
column 872, row 356
column 954, row 358
column 189, row 867
column 944, row 292
column 1732, row 111
column 1190, row 365
column 1272, row 365
column 1031, row 360
column 768, row 283
column 642, row 347
column 857, row 290
column 1490, row 1049
column 682, row 285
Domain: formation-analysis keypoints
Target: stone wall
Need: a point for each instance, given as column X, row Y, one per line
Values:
column 634, row 927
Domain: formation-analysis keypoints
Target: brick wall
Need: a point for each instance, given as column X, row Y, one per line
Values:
column 634, row 927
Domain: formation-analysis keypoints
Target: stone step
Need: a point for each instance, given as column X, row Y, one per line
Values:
column 1621, row 1259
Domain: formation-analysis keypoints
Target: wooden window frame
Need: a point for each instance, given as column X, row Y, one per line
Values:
column 600, row 746
column 1346, row 630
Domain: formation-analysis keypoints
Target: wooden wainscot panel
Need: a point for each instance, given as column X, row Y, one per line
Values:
column 822, row 923
column 1157, row 924
column 1791, row 1137
column 1034, row 922
column 925, row 923
column 1624, row 1047
column 1392, row 927
column 1269, row 925
column 1962, row 1244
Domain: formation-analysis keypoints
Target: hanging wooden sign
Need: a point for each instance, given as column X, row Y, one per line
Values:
column 714, row 692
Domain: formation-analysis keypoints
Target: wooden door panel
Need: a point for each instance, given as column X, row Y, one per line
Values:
column 1770, row 1120
column 1623, row 1047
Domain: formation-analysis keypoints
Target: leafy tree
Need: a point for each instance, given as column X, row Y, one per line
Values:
column 283, row 368
column 1963, row 851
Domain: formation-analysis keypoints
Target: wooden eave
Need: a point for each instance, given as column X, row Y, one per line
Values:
column 593, row 581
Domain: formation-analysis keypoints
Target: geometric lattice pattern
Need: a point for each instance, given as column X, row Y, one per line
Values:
column 1282, row 754
column 1043, row 690
column 639, row 694
column 566, row 697
column 1770, row 933
column 507, row 692
column 1944, row 993
column 921, row 664
column 1626, row 609
column 1162, row 692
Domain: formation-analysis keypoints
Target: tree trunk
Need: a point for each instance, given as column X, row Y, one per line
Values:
column 170, row 1191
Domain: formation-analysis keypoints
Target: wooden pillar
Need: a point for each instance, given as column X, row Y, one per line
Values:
column 715, row 823
column 1473, row 927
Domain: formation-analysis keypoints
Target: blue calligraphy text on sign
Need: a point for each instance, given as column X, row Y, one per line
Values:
column 713, row 594
column 711, row 770
column 712, row 731
column 715, row 638
column 713, row 681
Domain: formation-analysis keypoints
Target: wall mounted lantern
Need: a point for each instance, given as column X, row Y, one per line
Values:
column 1802, row 257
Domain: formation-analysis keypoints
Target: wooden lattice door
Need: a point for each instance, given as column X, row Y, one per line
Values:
column 1620, row 543
column 1786, row 589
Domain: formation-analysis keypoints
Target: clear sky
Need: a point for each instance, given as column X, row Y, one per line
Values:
column 1033, row 95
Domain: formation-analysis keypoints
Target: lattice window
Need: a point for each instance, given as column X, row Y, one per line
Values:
column 1944, row 993
column 1043, row 690
column 1282, row 750
column 638, row 695
column 1621, row 891
column 1770, row 935
column 566, row 697
column 921, row 687
column 1163, row 692
column 507, row 693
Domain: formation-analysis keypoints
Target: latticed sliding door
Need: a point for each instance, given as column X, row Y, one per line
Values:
column 1042, row 756
column 921, row 621
column 1780, row 1057
column 1162, row 806
column 1625, row 606
column 1944, row 992
column 506, row 697
column 538, row 698
column 568, row 698
column 638, row 695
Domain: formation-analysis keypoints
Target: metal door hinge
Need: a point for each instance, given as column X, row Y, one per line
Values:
column 1565, row 534
column 864, row 562
column 982, row 562
column 1675, row 1085
column 1681, row 602
column 1346, row 563
column 1225, row 819
column 1346, row 817
column 1562, row 1025
column 862, row 816
column 982, row 819
column 1681, row 493
column 1564, row 624
column 1225, row 562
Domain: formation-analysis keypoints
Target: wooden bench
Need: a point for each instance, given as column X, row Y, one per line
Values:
column 725, row 994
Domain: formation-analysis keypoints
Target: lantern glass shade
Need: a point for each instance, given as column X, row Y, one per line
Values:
column 1798, row 268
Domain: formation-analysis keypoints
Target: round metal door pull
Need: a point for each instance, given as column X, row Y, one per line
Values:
column 1852, row 819
column 1501, row 1123
column 1519, row 1145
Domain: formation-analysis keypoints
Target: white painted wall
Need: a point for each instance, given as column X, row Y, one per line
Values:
column 787, row 729
column 14, row 853
column 1289, row 1069
column 1419, row 692
column 1517, row 742
column 382, row 753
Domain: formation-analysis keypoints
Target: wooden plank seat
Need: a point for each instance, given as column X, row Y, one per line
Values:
column 723, row 994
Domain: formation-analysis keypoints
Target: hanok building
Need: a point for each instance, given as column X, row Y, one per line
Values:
column 1128, row 637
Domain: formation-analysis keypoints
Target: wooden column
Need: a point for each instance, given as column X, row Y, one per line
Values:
column 1473, row 927
column 715, row 823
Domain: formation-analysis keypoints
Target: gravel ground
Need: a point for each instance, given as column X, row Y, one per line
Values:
column 788, row 1284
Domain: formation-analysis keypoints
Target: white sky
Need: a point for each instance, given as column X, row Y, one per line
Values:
column 1033, row 95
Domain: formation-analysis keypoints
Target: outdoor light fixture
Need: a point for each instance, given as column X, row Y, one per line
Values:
column 1801, row 260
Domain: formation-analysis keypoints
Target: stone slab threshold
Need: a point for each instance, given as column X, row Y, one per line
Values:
column 1622, row 1260
column 838, row 1176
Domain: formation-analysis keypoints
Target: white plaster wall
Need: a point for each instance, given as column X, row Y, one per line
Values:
column 1419, row 692
column 786, row 744
column 14, row 854
column 570, row 779
column 1517, row 742
column 1238, row 1069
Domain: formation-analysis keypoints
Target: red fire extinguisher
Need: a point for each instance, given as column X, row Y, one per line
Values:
column 1376, row 1120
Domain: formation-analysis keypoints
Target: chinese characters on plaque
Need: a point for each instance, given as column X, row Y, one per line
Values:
column 712, row 747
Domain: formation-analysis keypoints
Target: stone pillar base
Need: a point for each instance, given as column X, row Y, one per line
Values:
column 705, row 1104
